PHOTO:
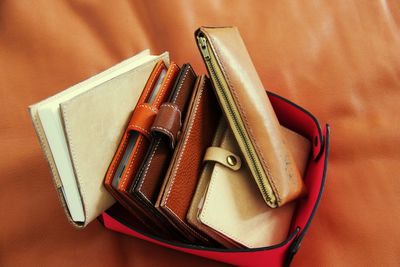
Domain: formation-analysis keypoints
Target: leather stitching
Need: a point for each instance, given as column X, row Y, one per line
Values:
column 148, row 165
column 150, row 160
column 176, row 109
column 184, row 145
column 140, row 128
column 54, row 170
column 125, row 178
column 91, row 91
column 166, row 131
column 166, row 83
column 207, row 221
column 111, row 174
column 117, row 158
column 46, row 150
column 272, row 180
column 173, row 107
column 69, row 132
column 180, row 86
column 152, row 81
column 145, row 105
column 190, row 126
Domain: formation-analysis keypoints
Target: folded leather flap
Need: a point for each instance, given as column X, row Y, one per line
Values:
column 142, row 119
column 223, row 156
column 168, row 122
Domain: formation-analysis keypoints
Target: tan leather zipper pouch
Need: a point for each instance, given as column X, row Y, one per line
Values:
column 250, row 114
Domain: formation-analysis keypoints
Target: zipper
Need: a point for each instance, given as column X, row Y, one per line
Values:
column 238, row 126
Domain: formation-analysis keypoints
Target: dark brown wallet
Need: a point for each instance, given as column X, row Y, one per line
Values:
column 164, row 131
column 180, row 182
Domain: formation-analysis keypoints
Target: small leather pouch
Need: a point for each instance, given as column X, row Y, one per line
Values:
column 183, row 172
column 250, row 114
column 230, row 207
column 136, row 138
column 165, row 133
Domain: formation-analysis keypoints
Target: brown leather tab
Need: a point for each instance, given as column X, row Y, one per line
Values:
column 142, row 119
column 168, row 122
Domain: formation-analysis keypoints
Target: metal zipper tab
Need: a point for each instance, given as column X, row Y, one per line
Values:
column 203, row 47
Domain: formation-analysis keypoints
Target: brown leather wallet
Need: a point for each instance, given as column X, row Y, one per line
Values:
column 136, row 138
column 165, row 131
column 180, row 182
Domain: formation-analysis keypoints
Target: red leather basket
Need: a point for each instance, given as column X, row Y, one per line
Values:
column 301, row 121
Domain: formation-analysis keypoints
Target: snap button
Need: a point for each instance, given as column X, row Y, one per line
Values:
column 224, row 157
column 231, row 160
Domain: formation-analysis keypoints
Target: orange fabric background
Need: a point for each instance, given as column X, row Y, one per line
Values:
column 338, row 59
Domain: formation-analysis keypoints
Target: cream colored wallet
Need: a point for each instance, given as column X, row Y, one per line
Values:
column 228, row 205
column 79, row 130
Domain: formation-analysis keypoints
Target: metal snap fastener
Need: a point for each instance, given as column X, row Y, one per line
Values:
column 231, row 160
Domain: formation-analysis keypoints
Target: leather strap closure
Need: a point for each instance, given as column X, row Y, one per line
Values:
column 168, row 122
column 224, row 157
column 142, row 119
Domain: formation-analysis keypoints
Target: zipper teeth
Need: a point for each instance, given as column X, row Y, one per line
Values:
column 238, row 127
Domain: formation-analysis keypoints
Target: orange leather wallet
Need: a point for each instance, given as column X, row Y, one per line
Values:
column 136, row 138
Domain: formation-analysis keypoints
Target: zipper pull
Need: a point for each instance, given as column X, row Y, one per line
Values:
column 203, row 47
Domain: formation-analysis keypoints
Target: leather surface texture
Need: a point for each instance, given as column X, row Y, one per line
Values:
column 201, row 187
column 184, row 170
column 83, row 116
column 233, row 206
column 259, row 120
column 143, row 140
column 338, row 59
column 164, row 131
column 168, row 122
column 149, row 177
column 137, row 123
column 146, row 91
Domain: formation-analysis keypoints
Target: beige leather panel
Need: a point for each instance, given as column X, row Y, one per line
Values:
column 234, row 207
column 256, row 112
column 94, row 132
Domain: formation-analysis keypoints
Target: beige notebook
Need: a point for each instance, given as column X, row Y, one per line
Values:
column 79, row 130
column 232, row 208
